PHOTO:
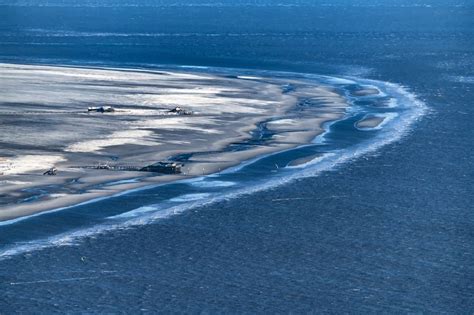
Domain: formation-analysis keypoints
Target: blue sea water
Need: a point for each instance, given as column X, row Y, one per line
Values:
column 382, row 222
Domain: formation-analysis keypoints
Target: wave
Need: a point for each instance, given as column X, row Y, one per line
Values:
column 39, row 32
column 232, row 3
column 462, row 79
column 410, row 108
column 190, row 197
column 212, row 184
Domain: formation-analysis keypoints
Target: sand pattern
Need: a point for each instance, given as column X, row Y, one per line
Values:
column 230, row 119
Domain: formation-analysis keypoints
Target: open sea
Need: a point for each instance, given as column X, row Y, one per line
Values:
column 378, row 221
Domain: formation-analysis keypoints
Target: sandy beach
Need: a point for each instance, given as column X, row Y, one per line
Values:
column 45, row 123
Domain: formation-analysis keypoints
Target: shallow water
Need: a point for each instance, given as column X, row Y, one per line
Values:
column 341, row 142
column 389, row 229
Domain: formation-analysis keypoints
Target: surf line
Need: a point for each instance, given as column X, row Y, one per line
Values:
column 396, row 129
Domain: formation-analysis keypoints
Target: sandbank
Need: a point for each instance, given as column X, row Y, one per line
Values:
column 45, row 123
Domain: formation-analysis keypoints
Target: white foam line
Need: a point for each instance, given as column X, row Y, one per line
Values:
column 190, row 197
column 212, row 184
column 319, row 139
column 16, row 220
column 396, row 129
column 395, row 133
column 126, row 192
column 316, row 160
column 123, row 181
column 60, row 280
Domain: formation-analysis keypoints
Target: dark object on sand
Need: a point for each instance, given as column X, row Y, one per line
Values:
column 178, row 110
column 103, row 167
column 163, row 167
column 160, row 167
column 51, row 172
column 101, row 109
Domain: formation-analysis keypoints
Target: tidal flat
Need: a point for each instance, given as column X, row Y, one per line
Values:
column 223, row 121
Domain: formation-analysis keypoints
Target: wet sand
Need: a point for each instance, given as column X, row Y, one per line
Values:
column 366, row 91
column 370, row 122
column 45, row 123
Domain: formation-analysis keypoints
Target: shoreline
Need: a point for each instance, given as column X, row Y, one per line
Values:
column 75, row 187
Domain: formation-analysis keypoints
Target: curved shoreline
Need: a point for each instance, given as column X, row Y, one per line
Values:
column 410, row 110
column 394, row 130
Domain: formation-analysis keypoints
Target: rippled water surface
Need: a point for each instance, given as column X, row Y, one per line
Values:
column 375, row 220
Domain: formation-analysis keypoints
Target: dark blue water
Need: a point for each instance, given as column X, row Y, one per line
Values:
column 390, row 230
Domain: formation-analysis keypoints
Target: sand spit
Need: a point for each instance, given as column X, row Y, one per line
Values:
column 45, row 123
